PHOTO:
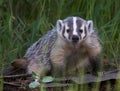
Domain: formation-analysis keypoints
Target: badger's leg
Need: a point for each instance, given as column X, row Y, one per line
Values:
column 38, row 68
column 94, row 57
column 94, row 49
column 95, row 65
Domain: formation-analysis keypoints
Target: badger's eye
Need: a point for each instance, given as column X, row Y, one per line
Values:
column 80, row 30
column 68, row 30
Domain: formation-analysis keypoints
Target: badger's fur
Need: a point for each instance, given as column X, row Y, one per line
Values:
column 70, row 45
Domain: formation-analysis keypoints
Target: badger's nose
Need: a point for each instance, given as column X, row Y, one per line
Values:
column 75, row 38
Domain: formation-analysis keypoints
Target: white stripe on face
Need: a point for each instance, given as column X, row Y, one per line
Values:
column 66, row 34
column 75, row 26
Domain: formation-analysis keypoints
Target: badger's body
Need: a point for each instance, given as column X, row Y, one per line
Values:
column 72, row 44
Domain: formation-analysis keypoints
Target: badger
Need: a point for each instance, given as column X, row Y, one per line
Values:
column 72, row 44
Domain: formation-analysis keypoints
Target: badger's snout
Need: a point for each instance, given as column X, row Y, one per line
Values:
column 75, row 38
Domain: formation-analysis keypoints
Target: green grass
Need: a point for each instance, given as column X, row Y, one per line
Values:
column 23, row 22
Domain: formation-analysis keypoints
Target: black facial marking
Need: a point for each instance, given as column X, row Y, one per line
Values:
column 69, row 22
column 68, row 30
column 70, row 34
column 79, row 33
column 80, row 30
column 70, row 25
column 63, row 32
column 79, row 23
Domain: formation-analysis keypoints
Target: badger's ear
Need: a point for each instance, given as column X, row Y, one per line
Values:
column 90, row 26
column 59, row 26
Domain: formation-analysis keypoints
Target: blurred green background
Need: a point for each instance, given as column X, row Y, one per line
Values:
column 22, row 22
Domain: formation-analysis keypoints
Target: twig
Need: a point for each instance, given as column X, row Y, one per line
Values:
column 12, row 84
column 16, row 76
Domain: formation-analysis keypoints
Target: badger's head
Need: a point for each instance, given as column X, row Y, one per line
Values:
column 74, row 29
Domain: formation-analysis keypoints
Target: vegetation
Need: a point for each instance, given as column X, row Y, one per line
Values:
column 22, row 22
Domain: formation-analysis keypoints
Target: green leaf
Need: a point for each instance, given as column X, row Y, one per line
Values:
column 47, row 79
column 35, row 76
column 34, row 84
